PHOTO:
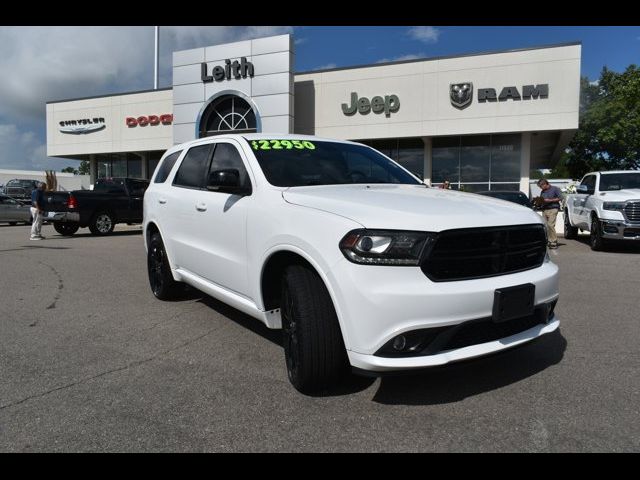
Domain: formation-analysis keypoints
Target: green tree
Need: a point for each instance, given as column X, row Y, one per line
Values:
column 69, row 170
column 84, row 168
column 609, row 134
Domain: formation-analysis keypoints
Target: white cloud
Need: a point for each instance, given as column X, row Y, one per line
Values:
column 41, row 64
column 424, row 34
column 400, row 58
column 326, row 67
column 300, row 41
column 24, row 151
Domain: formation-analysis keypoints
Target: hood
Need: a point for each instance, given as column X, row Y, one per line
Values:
column 620, row 195
column 410, row 207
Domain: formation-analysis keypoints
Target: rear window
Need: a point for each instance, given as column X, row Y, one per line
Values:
column 165, row 167
column 110, row 185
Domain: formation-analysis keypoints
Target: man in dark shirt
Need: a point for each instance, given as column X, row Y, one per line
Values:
column 551, row 198
column 37, row 211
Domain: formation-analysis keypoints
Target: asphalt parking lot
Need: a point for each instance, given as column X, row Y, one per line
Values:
column 91, row 361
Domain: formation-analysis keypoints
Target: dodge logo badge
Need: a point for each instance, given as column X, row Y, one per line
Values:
column 461, row 94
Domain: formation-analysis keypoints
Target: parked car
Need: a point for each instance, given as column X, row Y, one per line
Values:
column 112, row 201
column 13, row 211
column 358, row 261
column 20, row 189
column 520, row 198
column 607, row 205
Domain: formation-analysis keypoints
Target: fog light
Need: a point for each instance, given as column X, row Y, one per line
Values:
column 399, row 342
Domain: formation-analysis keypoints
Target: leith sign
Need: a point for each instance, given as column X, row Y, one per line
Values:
column 238, row 70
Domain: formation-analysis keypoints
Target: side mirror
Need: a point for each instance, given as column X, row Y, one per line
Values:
column 226, row 181
column 584, row 189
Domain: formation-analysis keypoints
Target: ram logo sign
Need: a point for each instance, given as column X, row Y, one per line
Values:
column 461, row 94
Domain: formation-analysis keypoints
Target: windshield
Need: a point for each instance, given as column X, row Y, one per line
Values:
column 619, row 181
column 296, row 163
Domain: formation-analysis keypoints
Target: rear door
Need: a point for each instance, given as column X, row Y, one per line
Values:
column 180, row 208
column 136, row 190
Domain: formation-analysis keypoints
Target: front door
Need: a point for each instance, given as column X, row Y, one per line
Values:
column 220, row 225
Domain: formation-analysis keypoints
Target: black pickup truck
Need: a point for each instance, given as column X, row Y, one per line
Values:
column 112, row 201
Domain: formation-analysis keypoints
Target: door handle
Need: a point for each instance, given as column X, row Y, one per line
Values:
column 201, row 207
column 162, row 201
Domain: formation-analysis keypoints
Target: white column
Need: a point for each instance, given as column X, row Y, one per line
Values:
column 93, row 169
column 525, row 161
column 145, row 165
column 427, row 160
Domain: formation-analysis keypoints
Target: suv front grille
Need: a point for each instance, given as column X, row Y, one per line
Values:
column 470, row 253
column 632, row 212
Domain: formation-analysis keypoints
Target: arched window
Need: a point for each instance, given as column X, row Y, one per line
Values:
column 227, row 114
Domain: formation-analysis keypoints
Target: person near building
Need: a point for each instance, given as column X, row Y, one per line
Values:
column 37, row 211
column 550, row 198
column 445, row 185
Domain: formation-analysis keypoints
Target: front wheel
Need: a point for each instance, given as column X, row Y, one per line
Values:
column 102, row 223
column 596, row 241
column 570, row 232
column 314, row 350
column 66, row 229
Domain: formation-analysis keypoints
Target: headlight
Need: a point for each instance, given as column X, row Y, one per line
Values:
column 385, row 247
column 613, row 206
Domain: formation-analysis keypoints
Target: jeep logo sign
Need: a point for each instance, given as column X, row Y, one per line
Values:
column 389, row 104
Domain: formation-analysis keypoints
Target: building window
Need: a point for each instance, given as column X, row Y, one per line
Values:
column 227, row 113
column 408, row 152
column 477, row 162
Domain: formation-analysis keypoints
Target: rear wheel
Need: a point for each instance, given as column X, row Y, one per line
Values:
column 66, row 229
column 102, row 223
column 161, row 281
column 570, row 232
column 314, row 350
column 595, row 240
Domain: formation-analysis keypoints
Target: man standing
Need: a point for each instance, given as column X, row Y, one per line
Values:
column 37, row 211
column 551, row 198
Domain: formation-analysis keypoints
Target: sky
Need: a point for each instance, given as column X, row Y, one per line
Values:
column 42, row 64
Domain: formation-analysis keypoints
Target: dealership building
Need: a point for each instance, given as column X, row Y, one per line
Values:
column 480, row 120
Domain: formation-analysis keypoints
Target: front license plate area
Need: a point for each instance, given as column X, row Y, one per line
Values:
column 513, row 302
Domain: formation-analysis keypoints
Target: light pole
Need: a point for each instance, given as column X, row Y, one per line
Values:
column 157, row 58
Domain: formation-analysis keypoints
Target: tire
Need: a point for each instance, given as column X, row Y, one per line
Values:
column 570, row 232
column 315, row 354
column 596, row 242
column 66, row 229
column 102, row 223
column 161, row 281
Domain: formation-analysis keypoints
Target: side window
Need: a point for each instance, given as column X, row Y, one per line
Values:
column 166, row 166
column 138, row 188
column 590, row 182
column 193, row 168
column 227, row 156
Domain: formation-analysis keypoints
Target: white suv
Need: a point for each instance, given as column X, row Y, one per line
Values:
column 356, row 259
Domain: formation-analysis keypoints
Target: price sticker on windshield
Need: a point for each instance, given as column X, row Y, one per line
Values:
column 282, row 145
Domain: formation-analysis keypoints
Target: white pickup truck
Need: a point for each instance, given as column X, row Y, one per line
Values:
column 607, row 205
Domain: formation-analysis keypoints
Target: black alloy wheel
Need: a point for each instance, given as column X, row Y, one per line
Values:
column 161, row 281
column 595, row 240
column 66, row 229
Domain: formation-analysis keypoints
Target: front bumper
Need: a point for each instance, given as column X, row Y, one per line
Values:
column 377, row 303
column 620, row 230
column 73, row 217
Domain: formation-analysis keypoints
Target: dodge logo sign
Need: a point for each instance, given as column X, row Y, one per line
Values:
column 461, row 94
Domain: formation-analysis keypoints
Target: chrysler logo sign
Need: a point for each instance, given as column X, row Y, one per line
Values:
column 461, row 94
column 84, row 125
